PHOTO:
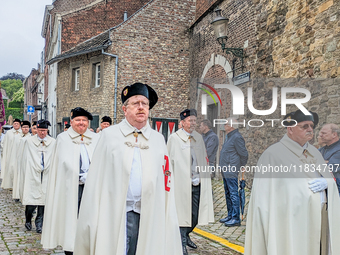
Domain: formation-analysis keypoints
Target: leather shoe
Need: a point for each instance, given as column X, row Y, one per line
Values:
column 225, row 219
column 39, row 230
column 28, row 225
column 232, row 223
column 190, row 243
column 185, row 252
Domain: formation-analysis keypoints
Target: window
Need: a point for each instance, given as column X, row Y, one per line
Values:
column 95, row 122
column 97, row 77
column 76, row 78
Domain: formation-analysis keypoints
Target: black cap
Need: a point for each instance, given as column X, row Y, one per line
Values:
column 299, row 116
column 107, row 119
column 67, row 125
column 188, row 112
column 17, row 120
column 140, row 89
column 34, row 123
column 25, row 122
column 78, row 111
column 43, row 124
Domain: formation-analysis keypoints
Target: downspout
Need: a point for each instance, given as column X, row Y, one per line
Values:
column 116, row 78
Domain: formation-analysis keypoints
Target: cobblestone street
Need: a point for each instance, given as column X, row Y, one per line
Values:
column 15, row 239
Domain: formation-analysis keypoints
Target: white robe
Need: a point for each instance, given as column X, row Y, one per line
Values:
column 7, row 173
column 61, row 209
column 179, row 146
column 15, row 162
column 284, row 215
column 102, row 219
column 33, row 187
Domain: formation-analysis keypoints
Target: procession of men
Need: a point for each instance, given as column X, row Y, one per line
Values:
column 124, row 190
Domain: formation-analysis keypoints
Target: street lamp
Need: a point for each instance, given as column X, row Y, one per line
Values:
column 220, row 25
column 40, row 95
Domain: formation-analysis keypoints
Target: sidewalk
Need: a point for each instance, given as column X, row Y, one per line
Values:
column 234, row 235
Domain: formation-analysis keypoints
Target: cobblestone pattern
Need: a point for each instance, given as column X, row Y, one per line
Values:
column 15, row 239
column 234, row 235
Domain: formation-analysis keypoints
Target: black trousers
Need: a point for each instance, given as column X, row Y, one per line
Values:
column 195, row 203
column 40, row 214
column 132, row 229
column 80, row 194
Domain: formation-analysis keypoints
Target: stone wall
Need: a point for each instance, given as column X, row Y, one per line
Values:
column 98, row 101
column 153, row 47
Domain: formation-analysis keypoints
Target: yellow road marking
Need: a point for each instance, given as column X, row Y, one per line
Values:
column 220, row 240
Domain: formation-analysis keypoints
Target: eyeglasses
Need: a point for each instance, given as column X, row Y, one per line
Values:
column 138, row 103
column 306, row 126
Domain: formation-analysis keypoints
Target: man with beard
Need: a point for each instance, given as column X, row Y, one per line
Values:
column 128, row 205
column 7, row 145
column 193, row 194
column 34, row 173
column 294, row 210
column 16, row 157
column 71, row 162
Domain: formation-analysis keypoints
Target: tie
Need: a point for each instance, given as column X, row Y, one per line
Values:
column 42, row 164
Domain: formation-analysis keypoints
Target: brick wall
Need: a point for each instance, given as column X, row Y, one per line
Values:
column 99, row 101
column 82, row 20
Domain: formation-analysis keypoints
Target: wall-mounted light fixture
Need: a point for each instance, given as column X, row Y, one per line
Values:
column 220, row 25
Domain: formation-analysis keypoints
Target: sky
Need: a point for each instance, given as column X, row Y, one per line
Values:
column 21, row 42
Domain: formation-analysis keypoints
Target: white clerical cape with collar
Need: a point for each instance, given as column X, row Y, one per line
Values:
column 284, row 215
column 101, row 226
column 7, row 145
column 15, row 162
column 179, row 146
column 61, row 209
column 32, row 185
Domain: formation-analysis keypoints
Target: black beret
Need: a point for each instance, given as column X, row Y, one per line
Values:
column 187, row 113
column 67, row 125
column 17, row 120
column 25, row 122
column 107, row 119
column 43, row 124
column 140, row 89
column 34, row 123
column 299, row 116
column 78, row 111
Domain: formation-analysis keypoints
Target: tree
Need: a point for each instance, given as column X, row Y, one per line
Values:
column 11, row 86
column 19, row 95
column 13, row 76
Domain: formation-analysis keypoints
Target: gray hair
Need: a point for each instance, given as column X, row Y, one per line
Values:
column 207, row 123
column 231, row 120
column 335, row 129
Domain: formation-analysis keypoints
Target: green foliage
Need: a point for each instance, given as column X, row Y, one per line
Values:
column 15, row 112
column 19, row 96
column 14, row 104
column 11, row 86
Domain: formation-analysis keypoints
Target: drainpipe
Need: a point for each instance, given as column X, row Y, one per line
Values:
column 116, row 77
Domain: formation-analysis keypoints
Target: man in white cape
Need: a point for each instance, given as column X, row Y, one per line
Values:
column 16, row 157
column 192, row 181
column 128, row 205
column 294, row 206
column 34, row 170
column 73, row 155
column 7, row 144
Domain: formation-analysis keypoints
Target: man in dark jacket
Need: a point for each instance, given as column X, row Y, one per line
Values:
column 211, row 142
column 233, row 156
column 329, row 134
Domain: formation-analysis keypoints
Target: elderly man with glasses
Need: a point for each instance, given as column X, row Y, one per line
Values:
column 294, row 206
column 128, row 205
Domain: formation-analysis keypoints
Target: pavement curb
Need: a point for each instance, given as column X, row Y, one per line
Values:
column 219, row 240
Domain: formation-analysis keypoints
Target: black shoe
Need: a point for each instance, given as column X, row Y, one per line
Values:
column 190, row 243
column 28, row 225
column 39, row 230
column 232, row 223
column 224, row 220
column 185, row 252
column 16, row 200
